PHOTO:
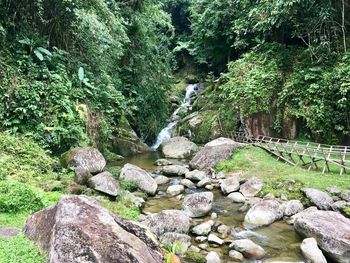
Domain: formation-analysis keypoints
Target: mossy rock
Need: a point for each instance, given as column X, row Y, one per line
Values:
column 126, row 142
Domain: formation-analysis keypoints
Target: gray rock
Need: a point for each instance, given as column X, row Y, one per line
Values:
column 161, row 179
column 203, row 246
column 215, row 239
column 126, row 142
column 178, row 147
column 263, row 213
column 204, row 182
column 345, row 196
column 337, row 206
column 8, row 232
column 321, row 199
column 251, row 187
column 333, row 190
column 224, row 231
column 188, row 183
column 214, row 152
column 194, row 249
column 144, row 180
column 237, row 197
column 137, row 201
column 330, row 229
column 209, row 187
column 175, row 189
column 104, row 182
column 202, row 229
column 198, row 204
column 201, row 239
column 230, row 185
column 174, row 170
column 162, row 162
column 88, row 158
column 196, row 175
column 269, row 196
column 311, row 252
column 171, row 238
column 78, row 229
column 82, row 175
column 293, row 207
column 168, row 221
column 235, row 255
column 248, row 248
column 213, row 257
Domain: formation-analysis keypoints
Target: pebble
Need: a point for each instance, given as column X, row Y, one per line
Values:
column 215, row 239
column 214, row 216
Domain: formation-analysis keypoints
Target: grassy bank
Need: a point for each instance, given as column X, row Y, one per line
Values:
column 31, row 179
column 280, row 178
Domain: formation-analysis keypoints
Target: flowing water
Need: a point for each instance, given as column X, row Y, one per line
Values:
column 168, row 131
column 280, row 241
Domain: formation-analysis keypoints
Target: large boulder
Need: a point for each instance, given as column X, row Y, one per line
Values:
column 251, row 187
column 198, row 204
column 174, row 170
column 311, row 252
column 144, row 180
column 230, row 185
column 126, row 142
column 248, row 248
column 214, row 152
column 168, row 221
column 105, row 183
column 78, row 229
column 321, row 199
column 330, row 229
column 88, row 158
column 263, row 213
column 178, row 147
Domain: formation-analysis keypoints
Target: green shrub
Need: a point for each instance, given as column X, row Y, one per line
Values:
column 20, row 250
column 17, row 197
column 22, row 159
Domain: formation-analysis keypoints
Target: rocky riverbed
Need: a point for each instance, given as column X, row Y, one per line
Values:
column 190, row 206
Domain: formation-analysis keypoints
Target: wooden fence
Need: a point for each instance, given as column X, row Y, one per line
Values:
column 307, row 154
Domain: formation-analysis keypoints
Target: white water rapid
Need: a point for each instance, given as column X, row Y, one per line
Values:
column 168, row 131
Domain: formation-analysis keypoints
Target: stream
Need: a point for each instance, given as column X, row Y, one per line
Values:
column 280, row 241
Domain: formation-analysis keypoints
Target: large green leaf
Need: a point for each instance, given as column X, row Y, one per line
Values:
column 81, row 73
column 44, row 50
column 38, row 54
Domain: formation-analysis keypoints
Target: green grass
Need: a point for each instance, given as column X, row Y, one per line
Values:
column 121, row 207
column 20, row 250
column 13, row 219
column 280, row 177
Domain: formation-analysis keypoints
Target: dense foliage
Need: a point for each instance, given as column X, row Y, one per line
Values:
column 70, row 69
column 287, row 60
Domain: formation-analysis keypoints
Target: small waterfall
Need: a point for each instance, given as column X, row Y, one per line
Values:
column 168, row 131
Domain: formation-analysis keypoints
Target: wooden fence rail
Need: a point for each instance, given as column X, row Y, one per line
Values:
column 306, row 154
